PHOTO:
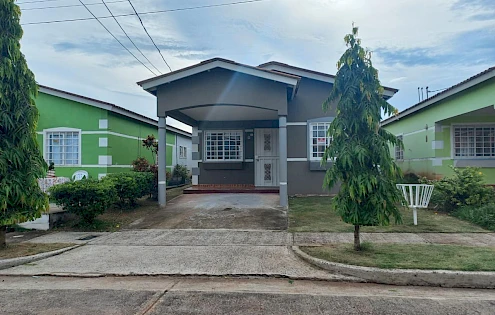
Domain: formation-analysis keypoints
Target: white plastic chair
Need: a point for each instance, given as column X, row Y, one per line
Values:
column 78, row 175
column 417, row 196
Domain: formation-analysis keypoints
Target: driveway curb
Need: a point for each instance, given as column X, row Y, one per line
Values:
column 12, row 262
column 435, row 278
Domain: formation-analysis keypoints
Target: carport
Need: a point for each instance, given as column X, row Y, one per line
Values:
column 239, row 117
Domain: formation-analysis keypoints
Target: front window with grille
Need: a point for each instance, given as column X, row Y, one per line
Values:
column 223, row 146
column 319, row 140
column 62, row 147
column 474, row 141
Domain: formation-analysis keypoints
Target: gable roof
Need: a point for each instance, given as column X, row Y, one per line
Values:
column 106, row 106
column 315, row 75
column 151, row 84
column 457, row 88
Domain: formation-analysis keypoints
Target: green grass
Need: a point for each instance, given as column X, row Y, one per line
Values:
column 409, row 256
column 315, row 214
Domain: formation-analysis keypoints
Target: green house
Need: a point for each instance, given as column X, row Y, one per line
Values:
column 78, row 133
column 453, row 128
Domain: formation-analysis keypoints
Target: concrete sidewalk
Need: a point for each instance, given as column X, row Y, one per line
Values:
column 208, row 252
column 224, row 237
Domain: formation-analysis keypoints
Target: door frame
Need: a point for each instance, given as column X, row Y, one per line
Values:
column 259, row 158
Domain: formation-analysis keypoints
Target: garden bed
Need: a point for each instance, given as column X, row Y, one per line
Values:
column 315, row 214
column 115, row 219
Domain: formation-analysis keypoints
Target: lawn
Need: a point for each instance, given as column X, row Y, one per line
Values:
column 417, row 256
column 28, row 249
column 116, row 219
column 315, row 214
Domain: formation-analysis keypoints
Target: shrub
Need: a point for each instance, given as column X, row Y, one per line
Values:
column 179, row 175
column 141, row 165
column 86, row 198
column 465, row 187
column 130, row 186
column 483, row 216
column 410, row 178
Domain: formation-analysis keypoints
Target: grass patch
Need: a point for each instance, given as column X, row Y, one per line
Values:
column 28, row 249
column 410, row 256
column 115, row 219
column 315, row 214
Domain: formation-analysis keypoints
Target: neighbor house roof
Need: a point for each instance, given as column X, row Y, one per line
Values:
column 107, row 106
column 316, row 75
column 151, row 84
column 459, row 87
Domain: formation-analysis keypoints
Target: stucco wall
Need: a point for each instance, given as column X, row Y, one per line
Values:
column 427, row 133
column 123, row 134
column 220, row 86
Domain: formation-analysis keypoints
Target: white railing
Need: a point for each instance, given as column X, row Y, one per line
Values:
column 416, row 196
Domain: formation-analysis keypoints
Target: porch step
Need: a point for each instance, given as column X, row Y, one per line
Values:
column 231, row 190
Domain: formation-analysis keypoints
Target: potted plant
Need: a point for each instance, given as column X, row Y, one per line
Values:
column 51, row 170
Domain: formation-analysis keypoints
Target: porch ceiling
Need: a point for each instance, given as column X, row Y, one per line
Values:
column 229, row 113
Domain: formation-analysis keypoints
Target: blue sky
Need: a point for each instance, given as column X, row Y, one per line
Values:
column 434, row 43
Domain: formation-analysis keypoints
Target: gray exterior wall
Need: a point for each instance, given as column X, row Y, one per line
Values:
column 306, row 177
column 218, row 173
column 302, row 181
column 307, row 104
column 220, row 86
column 229, row 172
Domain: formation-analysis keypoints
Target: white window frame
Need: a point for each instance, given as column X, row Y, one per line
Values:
column 182, row 152
column 328, row 140
column 241, row 147
column 468, row 125
column 62, row 129
column 398, row 150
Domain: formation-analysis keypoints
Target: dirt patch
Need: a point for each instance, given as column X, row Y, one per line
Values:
column 15, row 237
column 28, row 249
column 219, row 211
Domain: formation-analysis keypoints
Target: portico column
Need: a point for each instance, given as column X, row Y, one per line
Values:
column 162, row 161
column 282, row 138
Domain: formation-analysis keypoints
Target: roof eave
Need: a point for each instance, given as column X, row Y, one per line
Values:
column 150, row 85
column 477, row 79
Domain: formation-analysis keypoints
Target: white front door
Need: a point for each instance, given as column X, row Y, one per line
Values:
column 266, row 158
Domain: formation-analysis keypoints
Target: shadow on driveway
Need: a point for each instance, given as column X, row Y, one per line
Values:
column 218, row 211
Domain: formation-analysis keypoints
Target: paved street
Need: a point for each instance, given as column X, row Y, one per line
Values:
column 179, row 295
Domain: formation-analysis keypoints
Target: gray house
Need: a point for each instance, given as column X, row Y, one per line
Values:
column 254, row 127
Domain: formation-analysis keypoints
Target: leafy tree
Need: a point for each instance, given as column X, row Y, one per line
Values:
column 151, row 143
column 360, row 147
column 21, row 162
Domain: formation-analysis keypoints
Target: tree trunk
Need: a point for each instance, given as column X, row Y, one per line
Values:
column 3, row 231
column 357, row 242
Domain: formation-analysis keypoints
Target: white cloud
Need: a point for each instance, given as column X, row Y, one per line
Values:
column 304, row 33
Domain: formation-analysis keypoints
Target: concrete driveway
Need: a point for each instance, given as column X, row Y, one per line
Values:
column 218, row 211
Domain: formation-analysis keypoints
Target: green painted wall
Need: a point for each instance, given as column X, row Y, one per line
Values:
column 419, row 131
column 123, row 133
column 59, row 112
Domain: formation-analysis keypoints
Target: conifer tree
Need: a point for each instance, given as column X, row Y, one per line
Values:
column 362, row 163
column 21, row 163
